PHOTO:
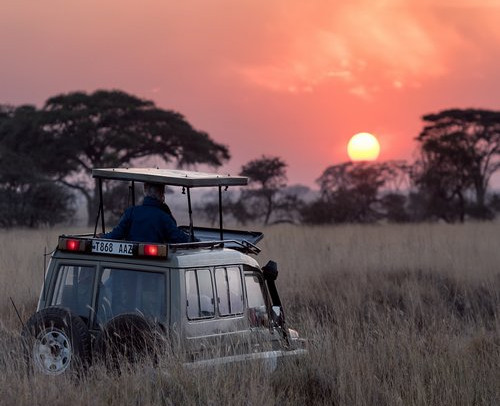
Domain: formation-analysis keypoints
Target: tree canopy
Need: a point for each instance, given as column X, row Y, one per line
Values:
column 267, row 176
column 50, row 149
column 350, row 192
column 113, row 129
column 459, row 151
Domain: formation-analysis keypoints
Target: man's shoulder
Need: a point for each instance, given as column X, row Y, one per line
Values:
column 128, row 211
column 155, row 209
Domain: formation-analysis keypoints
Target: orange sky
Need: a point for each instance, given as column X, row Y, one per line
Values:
column 289, row 78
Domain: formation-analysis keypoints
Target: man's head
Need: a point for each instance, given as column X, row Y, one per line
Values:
column 155, row 190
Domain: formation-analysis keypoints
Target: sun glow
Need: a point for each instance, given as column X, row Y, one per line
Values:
column 363, row 147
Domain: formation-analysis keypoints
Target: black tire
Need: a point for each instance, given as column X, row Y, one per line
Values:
column 128, row 337
column 56, row 341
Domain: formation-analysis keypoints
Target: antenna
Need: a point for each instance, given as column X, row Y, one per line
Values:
column 44, row 271
column 17, row 312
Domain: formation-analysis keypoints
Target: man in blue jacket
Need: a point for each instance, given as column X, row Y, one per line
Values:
column 150, row 222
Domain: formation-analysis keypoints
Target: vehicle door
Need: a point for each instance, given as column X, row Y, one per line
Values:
column 127, row 288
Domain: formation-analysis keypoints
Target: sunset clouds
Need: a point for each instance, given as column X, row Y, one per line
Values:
column 368, row 44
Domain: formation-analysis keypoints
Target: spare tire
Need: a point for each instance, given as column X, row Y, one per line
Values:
column 56, row 341
column 128, row 337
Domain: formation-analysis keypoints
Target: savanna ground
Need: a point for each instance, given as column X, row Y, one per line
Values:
column 394, row 315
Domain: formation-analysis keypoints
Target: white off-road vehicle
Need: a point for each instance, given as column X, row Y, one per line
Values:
column 208, row 301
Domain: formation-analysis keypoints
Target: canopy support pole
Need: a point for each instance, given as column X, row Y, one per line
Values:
column 220, row 214
column 190, row 211
column 101, row 206
column 100, row 211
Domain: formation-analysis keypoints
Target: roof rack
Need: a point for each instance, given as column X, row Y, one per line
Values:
column 240, row 245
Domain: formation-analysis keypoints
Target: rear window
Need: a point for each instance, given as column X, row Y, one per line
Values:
column 73, row 289
column 130, row 291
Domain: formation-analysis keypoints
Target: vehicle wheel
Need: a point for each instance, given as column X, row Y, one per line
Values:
column 56, row 340
column 129, row 337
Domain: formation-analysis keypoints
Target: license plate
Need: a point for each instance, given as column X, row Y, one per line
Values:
column 110, row 247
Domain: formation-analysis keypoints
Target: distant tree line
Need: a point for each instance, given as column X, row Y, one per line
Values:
column 46, row 155
column 458, row 152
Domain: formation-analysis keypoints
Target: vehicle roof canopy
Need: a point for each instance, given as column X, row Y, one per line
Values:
column 172, row 177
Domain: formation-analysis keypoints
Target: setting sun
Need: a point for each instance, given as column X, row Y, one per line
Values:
column 363, row 147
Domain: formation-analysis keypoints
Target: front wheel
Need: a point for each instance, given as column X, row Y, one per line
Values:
column 56, row 341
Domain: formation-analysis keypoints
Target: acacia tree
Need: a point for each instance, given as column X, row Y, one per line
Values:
column 267, row 176
column 112, row 129
column 350, row 192
column 459, row 151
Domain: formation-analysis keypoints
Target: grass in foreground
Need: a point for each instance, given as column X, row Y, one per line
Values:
column 398, row 315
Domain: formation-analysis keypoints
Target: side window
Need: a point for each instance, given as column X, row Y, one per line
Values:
column 73, row 289
column 229, row 290
column 257, row 311
column 129, row 291
column 199, row 294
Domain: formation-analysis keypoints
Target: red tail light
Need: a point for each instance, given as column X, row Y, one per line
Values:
column 73, row 245
column 151, row 250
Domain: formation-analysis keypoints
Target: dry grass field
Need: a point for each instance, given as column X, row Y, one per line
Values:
column 395, row 315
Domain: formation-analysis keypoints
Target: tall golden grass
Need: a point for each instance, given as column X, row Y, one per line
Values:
column 396, row 315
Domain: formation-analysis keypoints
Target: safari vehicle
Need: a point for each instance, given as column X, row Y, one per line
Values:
column 208, row 299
